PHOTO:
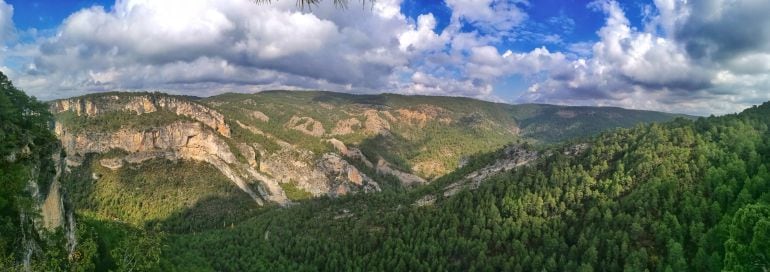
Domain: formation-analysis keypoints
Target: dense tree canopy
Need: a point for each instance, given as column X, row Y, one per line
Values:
column 688, row 195
column 680, row 196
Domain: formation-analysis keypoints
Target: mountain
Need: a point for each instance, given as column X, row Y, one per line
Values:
column 680, row 196
column 285, row 146
column 129, row 172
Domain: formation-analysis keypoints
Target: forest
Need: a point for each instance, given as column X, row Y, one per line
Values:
column 686, row 195
column 680, row 196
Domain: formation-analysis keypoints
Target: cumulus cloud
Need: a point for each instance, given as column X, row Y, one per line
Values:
column 6, row 24
column 700, row 57
column 719, row 29
column 210, row 46
column 489, row 15
column 422, row 37
column 663, row 71
column 175, row 44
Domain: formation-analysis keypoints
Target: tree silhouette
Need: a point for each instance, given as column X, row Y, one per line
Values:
column 307, row 3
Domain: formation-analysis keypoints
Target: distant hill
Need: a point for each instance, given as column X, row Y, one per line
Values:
column 150, row 181
column 426, row 135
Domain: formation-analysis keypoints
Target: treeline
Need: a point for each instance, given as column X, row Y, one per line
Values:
column 682, row 196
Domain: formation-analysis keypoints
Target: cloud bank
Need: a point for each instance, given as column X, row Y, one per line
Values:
column 700, row 57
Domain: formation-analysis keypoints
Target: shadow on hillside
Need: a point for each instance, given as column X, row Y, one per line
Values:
column 327, row 97
column 209, row 213
column 170, row 196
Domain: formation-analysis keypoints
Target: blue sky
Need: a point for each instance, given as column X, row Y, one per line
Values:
column 47, row 14
column 641, row 54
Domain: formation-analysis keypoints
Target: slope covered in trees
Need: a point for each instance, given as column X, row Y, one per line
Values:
column 681, row 196
column 425, row 135
column 688, row 195
column 26, row 145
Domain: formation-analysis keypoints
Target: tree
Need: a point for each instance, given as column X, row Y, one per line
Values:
column 307, row 3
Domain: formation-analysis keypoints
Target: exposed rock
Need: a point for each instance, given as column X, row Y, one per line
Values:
column 248, row 152
column 258, row 115
column 74, row 160
column 389, row 116
column 353, row 153
column 339, row 145
column 422, row 114
column 179, row 140
column 112, row 164
column 260, row 176
column 576, row 149
column 356, row 153
column 296, row 165
column 306, row 125
column 406, row 179
column 427, row 200
column 274, row 191
column 337, row 168
column 513, row 156
column 140, row 104
column 374, row 124
column 346, row 126
column 52, row 209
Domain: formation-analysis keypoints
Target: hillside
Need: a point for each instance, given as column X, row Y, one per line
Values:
column 153, row 182
column 144, row 164
column 681, row 196
column 425, row 135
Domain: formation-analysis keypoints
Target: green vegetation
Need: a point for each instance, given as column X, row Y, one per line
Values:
column 26, row 146
column 114, row 120
column 426, row 135
column 686, row 195
column 184, row 195
column 293, row 192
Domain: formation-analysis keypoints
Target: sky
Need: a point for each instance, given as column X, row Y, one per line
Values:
column 696, row 57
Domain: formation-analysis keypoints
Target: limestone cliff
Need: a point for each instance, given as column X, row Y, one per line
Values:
column 206, row 137
column 179, row 140
column 143, row 103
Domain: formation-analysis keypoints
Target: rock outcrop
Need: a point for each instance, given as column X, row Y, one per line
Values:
column 346, row 126
column 179, row 140
column 513, row 156
column 345, row 177
column 375, row 124
column 204, row 138
column 143, row 103
column 306, row 125
column 406, row 179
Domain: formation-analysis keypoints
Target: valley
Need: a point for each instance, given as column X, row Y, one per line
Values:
column 267, row 181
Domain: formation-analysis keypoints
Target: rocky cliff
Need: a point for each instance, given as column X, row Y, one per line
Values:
column 205, row 136
column 139, row 104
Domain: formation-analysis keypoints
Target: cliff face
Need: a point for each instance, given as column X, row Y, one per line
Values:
column 206, row 137
column 91, row 106
column 179, row 140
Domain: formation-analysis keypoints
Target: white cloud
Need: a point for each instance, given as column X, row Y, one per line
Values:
column 490, row 15
column 6, row 24
column 694, row 57
column 650, row 70
column 144, row 44
column 422, row 37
